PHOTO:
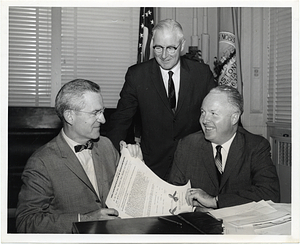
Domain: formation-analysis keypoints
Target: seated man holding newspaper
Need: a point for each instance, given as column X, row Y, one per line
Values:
column 68, row 179
column 226, row 164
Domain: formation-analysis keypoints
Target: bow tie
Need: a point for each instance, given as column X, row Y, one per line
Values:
column 88, row 145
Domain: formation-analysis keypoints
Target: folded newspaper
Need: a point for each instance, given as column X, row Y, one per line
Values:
column 138, row 192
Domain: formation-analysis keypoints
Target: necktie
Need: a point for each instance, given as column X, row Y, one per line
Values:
column 171, row 92
column 218, row 159
column 88, row 145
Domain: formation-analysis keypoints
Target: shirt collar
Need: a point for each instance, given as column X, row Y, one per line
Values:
column 69, row 141
column 225, row 145
column 175, row 69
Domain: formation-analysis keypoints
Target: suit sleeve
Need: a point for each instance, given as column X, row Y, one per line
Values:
column 121, row 120
column 177, row 174
column 34, row 213
column 210, row 81
column 264, row 180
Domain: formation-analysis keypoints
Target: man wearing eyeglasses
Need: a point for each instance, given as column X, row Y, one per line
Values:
column 68, row 179
column 167, row 91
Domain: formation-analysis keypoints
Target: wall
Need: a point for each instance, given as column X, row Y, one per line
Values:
column 253, row 54
column 185, row 17
column 254, row 69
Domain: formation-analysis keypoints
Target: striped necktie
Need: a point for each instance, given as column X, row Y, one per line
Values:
column 218, row 159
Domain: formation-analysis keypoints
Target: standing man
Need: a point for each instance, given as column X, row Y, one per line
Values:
column 68, row 179
column 226, row 164
column 168, row 91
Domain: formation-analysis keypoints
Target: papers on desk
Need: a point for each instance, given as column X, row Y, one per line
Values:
column 256, row 218
column 137, row 192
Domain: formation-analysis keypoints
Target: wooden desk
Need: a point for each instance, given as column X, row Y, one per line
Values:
column 152, row 225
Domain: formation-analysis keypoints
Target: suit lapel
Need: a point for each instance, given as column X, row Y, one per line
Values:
column 72, row 162
column 98, row 168
column 234, row 157
column 185, row 84
column 158, row 82
column 208, row 159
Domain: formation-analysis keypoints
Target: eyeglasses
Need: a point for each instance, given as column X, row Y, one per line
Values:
column 170, row 49
column 95, row 113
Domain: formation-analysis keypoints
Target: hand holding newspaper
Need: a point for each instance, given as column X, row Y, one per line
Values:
column 137, row 192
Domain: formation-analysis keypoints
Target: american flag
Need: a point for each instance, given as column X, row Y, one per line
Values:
column 145, row 51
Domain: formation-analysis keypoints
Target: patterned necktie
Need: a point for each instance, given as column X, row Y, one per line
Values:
column 171, row 92
column 88, row 145
column 218, row 159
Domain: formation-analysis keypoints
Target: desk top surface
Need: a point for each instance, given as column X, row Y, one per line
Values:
column 202, row 224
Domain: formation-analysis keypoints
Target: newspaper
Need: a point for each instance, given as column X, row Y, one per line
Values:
column 138, row 192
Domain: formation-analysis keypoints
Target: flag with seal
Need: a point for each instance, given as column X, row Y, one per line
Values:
column 227, row 66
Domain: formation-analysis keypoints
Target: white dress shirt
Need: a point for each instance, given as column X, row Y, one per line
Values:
column 86, row 160
column 224, row 150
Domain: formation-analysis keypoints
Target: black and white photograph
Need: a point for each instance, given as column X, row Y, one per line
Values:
column 174, row 123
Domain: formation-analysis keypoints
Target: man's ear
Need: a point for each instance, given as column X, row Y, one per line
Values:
column 69, row 116
column 182, row 45
column 235, row 118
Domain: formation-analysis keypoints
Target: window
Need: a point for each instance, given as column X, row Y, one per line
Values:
column 279, row 96
column 29, row 56
column 96, row 43
column 280, row 65
column 99, row 44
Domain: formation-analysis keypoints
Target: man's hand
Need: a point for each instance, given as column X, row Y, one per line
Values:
column 199, row 198
column 134, row 149
column 100, row 214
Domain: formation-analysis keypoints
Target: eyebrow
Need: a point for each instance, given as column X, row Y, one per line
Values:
column 97, row 110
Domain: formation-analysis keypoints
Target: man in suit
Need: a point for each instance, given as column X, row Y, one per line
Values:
column 242, row 171
column 169, row 104
column 64, row 182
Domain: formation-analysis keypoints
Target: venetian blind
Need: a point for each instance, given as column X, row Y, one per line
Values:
column 279, row 70
column 99, row 44
column 29, row 56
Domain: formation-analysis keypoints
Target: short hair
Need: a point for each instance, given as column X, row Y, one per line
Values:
column 233, row 96
column 169, row 24
column 70, row 96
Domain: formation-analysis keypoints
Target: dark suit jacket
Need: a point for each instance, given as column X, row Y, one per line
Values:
column 56, row 187
column 161, row 129
column 249, row 174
